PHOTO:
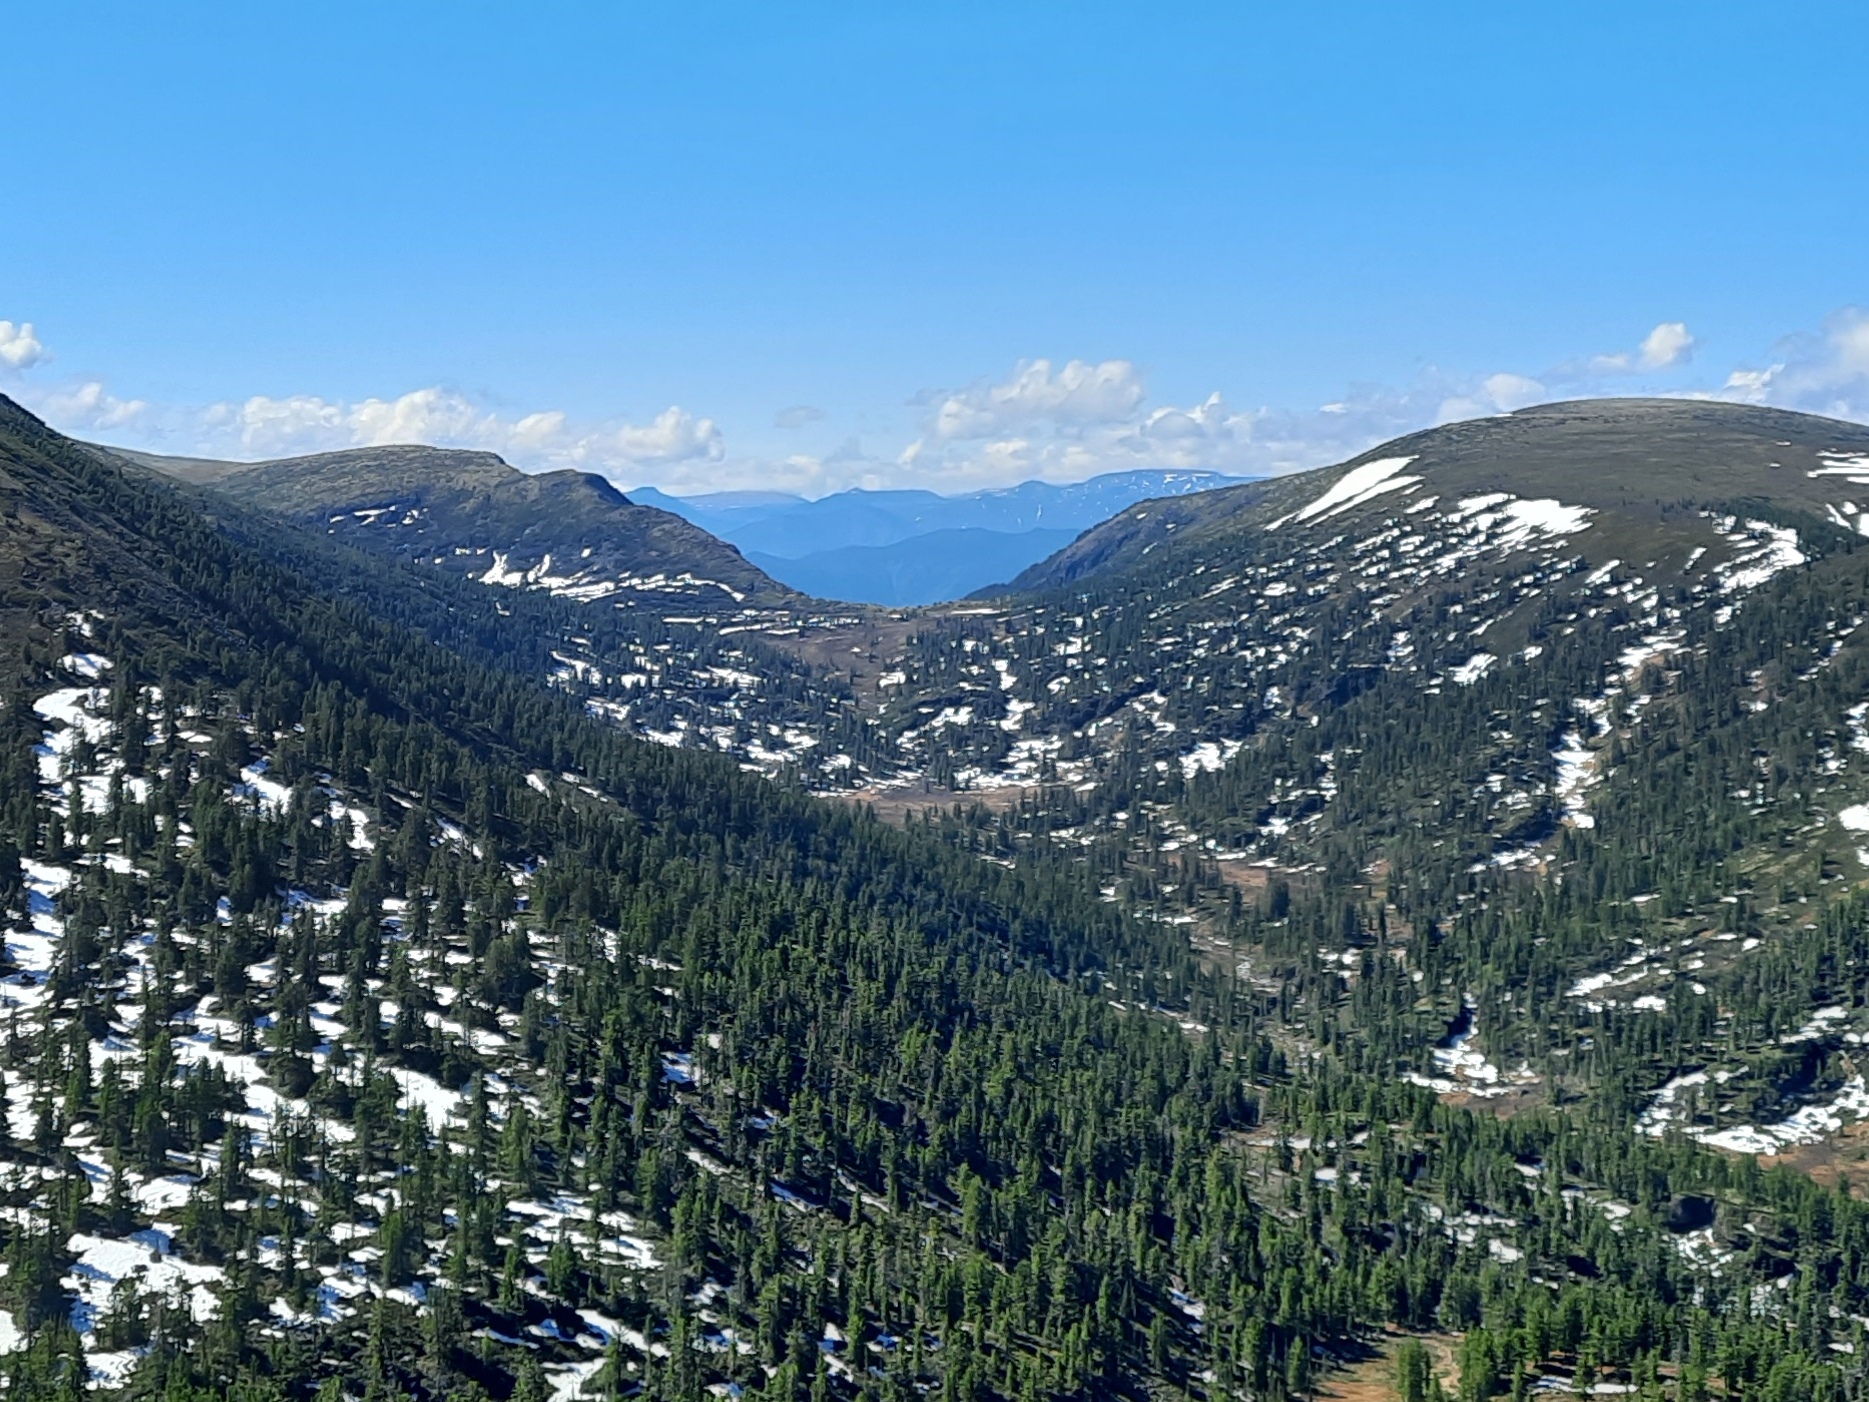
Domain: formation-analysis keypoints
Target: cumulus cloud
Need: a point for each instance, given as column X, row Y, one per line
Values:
column 1087, row 419
column 1079, row 394
column 1060, row 423
column 1046, row 419
column 1822, row 372
column 89, row 407
column 1500, row 393
column 263, row 427
column 674, row 436
column 1074, row 421
column 19, row 348
column 1751, row 386
column 1670, row 343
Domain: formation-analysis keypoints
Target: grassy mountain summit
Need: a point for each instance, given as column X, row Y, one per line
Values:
column 1636, row 457
column 473, row 512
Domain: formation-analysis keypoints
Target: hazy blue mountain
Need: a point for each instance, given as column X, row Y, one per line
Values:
column 711, row 508
column 902, row 547
column 773, row 523
column 924, row 569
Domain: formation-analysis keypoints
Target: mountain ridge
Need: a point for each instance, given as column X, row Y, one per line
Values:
column 1594, row 449
column 471, row 511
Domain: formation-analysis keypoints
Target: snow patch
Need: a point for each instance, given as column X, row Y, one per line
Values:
column 1473, row 668
column 1358, row 485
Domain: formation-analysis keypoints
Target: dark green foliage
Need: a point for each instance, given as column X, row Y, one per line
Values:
column 896, row 1111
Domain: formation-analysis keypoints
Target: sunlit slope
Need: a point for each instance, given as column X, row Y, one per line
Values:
column 1648, row 460
column 567, row 531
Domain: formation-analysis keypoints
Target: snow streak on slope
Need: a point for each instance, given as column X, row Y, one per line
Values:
column 1358, row 485
column 590, row 584
column 1673, row 1107
column 1460, row 1066
column 213, row 1046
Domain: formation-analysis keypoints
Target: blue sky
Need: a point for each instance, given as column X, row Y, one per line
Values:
column 814, row 246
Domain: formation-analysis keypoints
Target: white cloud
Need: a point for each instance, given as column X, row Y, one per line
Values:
column 303, row 423
column 19, row 348
column 1080, row 393
column 1670, row 343
column 1499, row 393
column 674, row 436
column 264, row 427
column 1083, row 419
column 1062, row 424
column 1087, row 420
column 1508, row 392
column 538, row 430
column 1209, row 435
column 1752, row 386
column 423, row 416
column 1048, row 420
column 89, row 407
column 1825, row 372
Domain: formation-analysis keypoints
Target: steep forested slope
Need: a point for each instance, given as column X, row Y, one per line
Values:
column 1572, row 700
column 669, row 657
column 382, row 1021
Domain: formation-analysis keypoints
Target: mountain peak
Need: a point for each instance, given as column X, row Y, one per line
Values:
column 1630, row 454
column 471, row 511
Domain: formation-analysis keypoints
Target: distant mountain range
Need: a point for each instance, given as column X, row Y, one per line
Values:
column 924, row 569
column 917, row 547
